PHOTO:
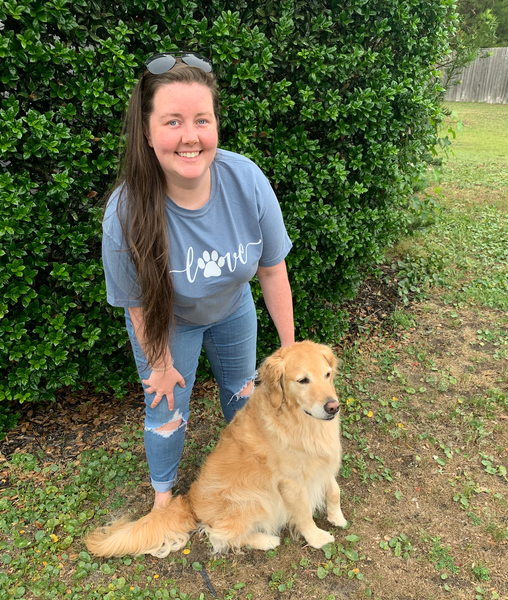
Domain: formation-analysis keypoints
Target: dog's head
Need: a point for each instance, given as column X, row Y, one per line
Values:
column 302, row 376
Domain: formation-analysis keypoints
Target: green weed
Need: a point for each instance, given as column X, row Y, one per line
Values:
column 480, row 571
column 441, row 558
column 341, row 559
column 400, row 319
column 498, row 532
column 399, row 545
column 282, row 581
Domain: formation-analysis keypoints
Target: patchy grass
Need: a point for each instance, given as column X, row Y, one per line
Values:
column 425, row 428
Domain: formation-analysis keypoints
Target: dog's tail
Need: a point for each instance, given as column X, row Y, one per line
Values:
column 162, row 531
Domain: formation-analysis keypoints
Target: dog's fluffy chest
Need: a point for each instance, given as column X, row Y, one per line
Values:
column 307, row 462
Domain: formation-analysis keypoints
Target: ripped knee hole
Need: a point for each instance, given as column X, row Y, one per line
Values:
column 171, row 426
column 247, row 389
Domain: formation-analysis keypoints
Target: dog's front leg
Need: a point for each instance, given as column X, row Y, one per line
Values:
column 299, row 510
column 334, row 515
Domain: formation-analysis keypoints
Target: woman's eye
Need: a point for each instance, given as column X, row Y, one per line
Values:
column 172, row 123
column 202, row 122
column 303, row 380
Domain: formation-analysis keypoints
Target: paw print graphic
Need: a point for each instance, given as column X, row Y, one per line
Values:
column 211, row 264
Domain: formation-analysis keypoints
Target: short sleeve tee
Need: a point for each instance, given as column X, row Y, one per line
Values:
column 214, row 250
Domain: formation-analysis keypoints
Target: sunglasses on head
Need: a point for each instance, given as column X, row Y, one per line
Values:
column 161, row 63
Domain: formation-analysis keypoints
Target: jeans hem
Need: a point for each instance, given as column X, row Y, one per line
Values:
column 163, row 486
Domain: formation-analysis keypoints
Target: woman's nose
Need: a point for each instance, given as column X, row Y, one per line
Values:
column 189, row 135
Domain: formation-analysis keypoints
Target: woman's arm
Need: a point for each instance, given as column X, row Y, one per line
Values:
column 161, row 382
column 277, row 295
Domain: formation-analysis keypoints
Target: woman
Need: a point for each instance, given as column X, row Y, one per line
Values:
column 186, row 228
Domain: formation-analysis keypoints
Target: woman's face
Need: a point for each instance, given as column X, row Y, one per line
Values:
column 183, row 133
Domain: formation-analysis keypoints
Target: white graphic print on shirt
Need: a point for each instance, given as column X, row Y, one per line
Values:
column 212, row 264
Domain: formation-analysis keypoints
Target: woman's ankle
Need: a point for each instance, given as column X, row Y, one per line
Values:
column 162, row 499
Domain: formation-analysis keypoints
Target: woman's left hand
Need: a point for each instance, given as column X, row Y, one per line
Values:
column 162, row 383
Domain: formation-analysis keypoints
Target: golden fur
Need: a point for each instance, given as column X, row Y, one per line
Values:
column 275, row 463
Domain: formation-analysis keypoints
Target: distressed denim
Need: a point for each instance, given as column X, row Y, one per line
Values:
column 230, row 346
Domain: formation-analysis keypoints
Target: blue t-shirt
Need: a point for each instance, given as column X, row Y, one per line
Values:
column 214, row 250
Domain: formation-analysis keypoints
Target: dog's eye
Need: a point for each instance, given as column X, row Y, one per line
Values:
column 303, row 380
column 327, row 375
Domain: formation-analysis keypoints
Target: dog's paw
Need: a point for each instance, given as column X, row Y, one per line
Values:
column 271, row 542
column 262, row 541
column 319, row 538
column 337, row 518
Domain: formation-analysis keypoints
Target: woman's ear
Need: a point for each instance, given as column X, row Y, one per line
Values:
column 148, row 138
column 271, row 373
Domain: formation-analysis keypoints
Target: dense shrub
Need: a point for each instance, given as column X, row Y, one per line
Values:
column 335, row 100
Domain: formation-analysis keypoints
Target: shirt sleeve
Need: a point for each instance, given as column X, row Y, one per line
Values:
column 120, row 272
column 276, row 242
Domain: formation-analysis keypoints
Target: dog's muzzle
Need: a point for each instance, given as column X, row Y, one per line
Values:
column 331, row 408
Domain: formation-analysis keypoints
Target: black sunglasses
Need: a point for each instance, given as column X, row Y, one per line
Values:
column 161, row 63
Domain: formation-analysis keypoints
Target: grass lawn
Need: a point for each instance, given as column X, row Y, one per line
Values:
column 425, row 428
column 479, row 156
column 483, row 134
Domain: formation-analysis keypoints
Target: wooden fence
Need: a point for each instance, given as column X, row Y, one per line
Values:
column 484, row 80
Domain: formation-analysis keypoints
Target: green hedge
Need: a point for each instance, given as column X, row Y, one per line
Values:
column 337, row 101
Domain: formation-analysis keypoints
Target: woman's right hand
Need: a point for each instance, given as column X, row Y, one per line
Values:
column 162, row 383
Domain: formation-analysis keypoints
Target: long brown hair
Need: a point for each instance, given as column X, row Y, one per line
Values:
column 141, row 204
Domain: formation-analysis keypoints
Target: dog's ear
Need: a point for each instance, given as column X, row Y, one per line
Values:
column 271, row 373
column 330, row 357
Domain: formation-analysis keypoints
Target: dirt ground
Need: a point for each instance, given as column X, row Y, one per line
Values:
column 425, row 428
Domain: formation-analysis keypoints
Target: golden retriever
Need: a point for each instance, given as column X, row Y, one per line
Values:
column 276, row 462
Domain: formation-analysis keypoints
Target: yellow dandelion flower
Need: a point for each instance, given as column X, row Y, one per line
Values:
column 156, row 577
column 22, row 531
column 186, row 551
column 132, row 589
column 459, row 401
column 401, row 426
column 54, row 537
column 394, row 398
column 355, row 571
column 370, row 413
column 349, row 400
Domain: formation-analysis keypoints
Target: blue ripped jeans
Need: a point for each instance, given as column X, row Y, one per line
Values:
column 230, row 346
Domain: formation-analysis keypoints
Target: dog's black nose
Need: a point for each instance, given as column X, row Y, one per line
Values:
column 332, row 407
